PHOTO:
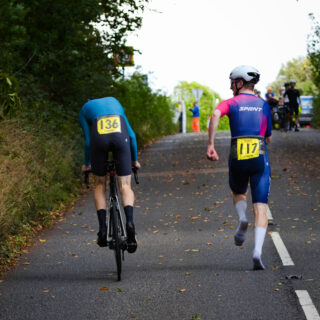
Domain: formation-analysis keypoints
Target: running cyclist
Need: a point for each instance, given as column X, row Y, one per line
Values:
column 106, row 128
column 250, row 123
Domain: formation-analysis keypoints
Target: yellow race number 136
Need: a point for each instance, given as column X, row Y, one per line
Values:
column 109, row 125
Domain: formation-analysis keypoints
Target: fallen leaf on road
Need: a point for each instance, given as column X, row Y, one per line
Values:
column 42, row 240
column 26, row 263
column 119, row 290
column 155, row 231
column 104, row 288
column 194, row 218
column 45, row 291
column 182, row 290
column 209, row 243
column 195, row 250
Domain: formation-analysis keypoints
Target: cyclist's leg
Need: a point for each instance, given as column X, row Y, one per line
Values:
column 238, row 181
column 123, row 169
column 260, row 186
column 98, row 151
column 127, row 196
column 100, row 193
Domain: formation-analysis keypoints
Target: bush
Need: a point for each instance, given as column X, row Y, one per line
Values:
column 149, row 113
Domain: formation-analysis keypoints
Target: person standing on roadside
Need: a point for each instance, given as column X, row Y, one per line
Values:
column 195, row 117
column 293, row 96
column 250, row 124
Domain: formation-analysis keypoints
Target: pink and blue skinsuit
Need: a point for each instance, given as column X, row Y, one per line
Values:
column 249, row 117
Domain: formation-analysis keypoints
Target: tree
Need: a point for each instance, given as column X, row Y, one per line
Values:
column 183, row 91
column 299, row 69
column 314, row 56
column 61, row 51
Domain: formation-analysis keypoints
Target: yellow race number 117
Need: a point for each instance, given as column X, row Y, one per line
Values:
column 247, row 148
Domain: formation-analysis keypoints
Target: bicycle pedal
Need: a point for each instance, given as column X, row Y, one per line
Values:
column 124, row 245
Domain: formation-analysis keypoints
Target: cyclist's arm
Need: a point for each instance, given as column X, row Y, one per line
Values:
column 86, row 132
column 133, row 141
column 214, row 122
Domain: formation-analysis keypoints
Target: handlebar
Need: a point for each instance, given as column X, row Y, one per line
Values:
column 135, row 173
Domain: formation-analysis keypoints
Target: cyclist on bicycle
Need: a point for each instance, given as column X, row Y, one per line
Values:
column 106, row 128
column 250, row 123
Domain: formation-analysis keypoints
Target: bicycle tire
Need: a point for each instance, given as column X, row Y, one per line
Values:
column 116, row 231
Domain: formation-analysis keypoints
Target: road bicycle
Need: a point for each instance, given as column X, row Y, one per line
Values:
column 116, row 235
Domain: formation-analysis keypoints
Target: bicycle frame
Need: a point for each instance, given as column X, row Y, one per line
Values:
column 114, row 201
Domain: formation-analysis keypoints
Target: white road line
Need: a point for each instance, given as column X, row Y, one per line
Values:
column 282, row 250
column 270, row 217
column 309, row 309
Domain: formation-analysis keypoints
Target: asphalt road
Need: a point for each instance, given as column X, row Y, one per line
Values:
column 187, row 265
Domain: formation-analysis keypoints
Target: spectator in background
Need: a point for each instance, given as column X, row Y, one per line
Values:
column 269, row 94
column 257, row 93
column 195, row 117
column 293, row 96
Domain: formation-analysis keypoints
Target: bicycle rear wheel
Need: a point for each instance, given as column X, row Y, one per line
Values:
column 116, row 230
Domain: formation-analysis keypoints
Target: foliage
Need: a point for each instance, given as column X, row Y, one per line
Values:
column 9, row 100
column 314, row 56
column 148, row 112
column 34, row 180
column 183, row 91
column 63, row 49
column 299, row 69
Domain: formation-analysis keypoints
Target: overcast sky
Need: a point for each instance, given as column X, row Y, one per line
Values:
column 204, row 40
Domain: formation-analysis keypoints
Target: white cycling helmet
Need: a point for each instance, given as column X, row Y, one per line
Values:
column 247, row 73
column 293, row 81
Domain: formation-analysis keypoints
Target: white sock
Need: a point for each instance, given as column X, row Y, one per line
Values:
column 241, row 207
column 259, row 235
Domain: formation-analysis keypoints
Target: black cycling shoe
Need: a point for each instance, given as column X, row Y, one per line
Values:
column 131, row 238
column 102, row 238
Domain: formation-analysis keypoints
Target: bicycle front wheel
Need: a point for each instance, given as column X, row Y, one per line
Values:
column 116, row 237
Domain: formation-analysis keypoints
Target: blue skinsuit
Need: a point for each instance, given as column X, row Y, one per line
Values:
column 97, row 108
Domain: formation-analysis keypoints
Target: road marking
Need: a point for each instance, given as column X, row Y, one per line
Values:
column 309, row 309
column 282, row 250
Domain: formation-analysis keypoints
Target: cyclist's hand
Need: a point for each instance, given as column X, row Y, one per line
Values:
column 136, row 164
column 212, row 153
column 85, row 168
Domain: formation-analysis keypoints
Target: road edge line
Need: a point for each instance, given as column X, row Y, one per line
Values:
column 307, row 305
column 281, row 248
